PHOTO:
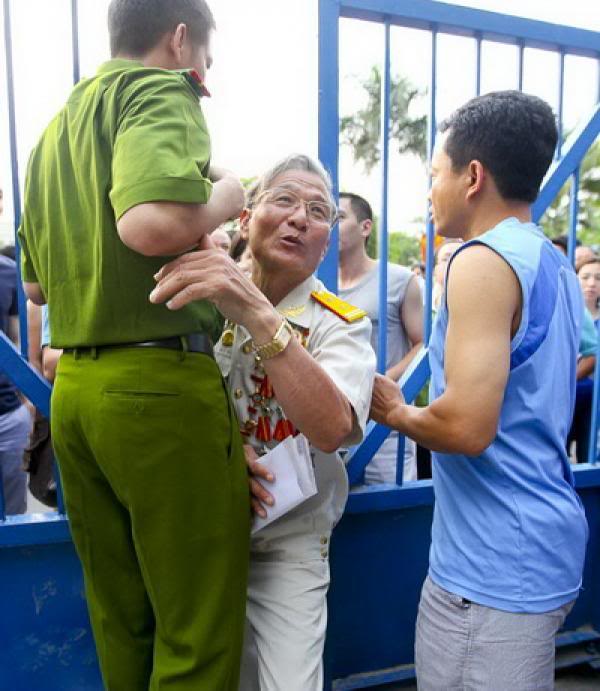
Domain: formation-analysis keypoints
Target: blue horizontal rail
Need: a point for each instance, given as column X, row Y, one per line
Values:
column 23, row 376
column 465, row 21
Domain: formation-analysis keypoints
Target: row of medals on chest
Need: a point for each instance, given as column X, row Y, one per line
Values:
column 266, row 420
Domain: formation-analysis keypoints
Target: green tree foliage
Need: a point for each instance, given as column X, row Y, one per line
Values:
column 362, row 130
column 402, row 248
column 556, row 220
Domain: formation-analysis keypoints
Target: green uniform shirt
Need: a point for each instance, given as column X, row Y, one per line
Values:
column 126, row 136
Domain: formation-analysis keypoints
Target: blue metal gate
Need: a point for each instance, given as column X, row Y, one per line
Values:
column 379, row 554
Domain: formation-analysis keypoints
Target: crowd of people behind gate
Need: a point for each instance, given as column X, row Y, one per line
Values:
column 176, row 368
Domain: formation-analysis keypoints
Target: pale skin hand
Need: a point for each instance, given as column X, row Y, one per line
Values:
column 585, row 366
column 167, row 228
column 258, row 494
column 411, row 316
column 296, row 378
column 464, row 419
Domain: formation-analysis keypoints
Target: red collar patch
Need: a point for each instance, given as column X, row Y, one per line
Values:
column 198, row 83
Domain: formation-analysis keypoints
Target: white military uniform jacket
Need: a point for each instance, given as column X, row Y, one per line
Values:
column 344, row 351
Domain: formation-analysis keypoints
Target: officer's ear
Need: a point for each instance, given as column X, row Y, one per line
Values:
column 244, row 223
column 177, row 43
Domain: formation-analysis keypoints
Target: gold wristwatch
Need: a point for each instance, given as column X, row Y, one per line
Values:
column 277, row 344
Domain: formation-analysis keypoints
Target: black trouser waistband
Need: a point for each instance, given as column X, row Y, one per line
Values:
column 191, row 343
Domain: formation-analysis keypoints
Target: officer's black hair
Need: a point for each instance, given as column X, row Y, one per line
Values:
column 511, row 134
column 136, row 26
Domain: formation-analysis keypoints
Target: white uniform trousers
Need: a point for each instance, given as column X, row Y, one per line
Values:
column 286, row 618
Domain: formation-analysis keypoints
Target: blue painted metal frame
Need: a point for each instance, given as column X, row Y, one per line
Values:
column 561, row 93
column 573, row 213
column 464, row 21
column 573, row 152
column 329, row 117
column 16, row 191
column 75, row 40
column 411, row 383
column 429, row 229
column 383, row 230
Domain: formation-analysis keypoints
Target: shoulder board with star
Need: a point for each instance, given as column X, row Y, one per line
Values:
column 344, row 310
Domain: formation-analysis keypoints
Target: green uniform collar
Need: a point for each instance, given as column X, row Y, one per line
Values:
column 118, row 64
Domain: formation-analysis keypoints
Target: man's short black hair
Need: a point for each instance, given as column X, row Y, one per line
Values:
column 136, row 26
column 359, row 205
column 562, row 241
column 511, row 134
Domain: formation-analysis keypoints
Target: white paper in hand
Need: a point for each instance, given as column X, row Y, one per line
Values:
column 291, row 464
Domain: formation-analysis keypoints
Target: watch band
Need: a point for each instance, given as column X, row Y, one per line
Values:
column 277, row 344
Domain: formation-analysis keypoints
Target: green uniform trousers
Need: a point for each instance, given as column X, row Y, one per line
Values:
column 156, row 492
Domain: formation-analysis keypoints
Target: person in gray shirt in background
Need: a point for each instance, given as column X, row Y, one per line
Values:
column 358, row 283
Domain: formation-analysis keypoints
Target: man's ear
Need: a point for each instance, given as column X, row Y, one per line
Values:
column 476, row 176
column 324, row 252
column 367, row 227
column 244, row 223
column 177, row 42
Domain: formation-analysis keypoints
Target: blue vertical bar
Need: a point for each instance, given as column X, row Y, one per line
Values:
column 400, row 460
column 14, row 160
column 561, row 93
column 329, row 120
column 573, row 213
column 478, row 65
column 2, row 501
column 521, row 66
column 593, row 445
column 383, row 225
column 430, row 230
column 75, row 39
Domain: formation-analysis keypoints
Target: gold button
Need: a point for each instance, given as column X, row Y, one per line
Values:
column 227, row 338
column 238, row 393
column 323, row 540
column 247, row 348
column 324, row 553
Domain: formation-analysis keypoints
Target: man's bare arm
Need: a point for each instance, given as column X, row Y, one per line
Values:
column 477, row 359
column 411, row 315
column 169, row 228
column 34, row 293
column 585, row 366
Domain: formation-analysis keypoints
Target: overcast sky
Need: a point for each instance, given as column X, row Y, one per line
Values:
column 264, row 80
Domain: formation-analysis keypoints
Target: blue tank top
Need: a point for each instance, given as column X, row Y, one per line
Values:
column 509, row 530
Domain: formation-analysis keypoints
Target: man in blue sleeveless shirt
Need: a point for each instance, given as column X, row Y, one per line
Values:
column 509, row 532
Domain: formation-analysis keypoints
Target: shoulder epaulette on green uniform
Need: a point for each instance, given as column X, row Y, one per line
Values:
column 344, row 310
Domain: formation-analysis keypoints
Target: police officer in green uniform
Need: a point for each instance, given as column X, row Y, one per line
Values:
column 149, row 451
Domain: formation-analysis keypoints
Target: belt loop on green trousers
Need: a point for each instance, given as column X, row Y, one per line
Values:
column 185, row 348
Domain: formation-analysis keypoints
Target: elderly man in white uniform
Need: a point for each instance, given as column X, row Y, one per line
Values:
column 305, row 365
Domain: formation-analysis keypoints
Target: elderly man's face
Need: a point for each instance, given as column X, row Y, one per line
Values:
column 285, row 234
